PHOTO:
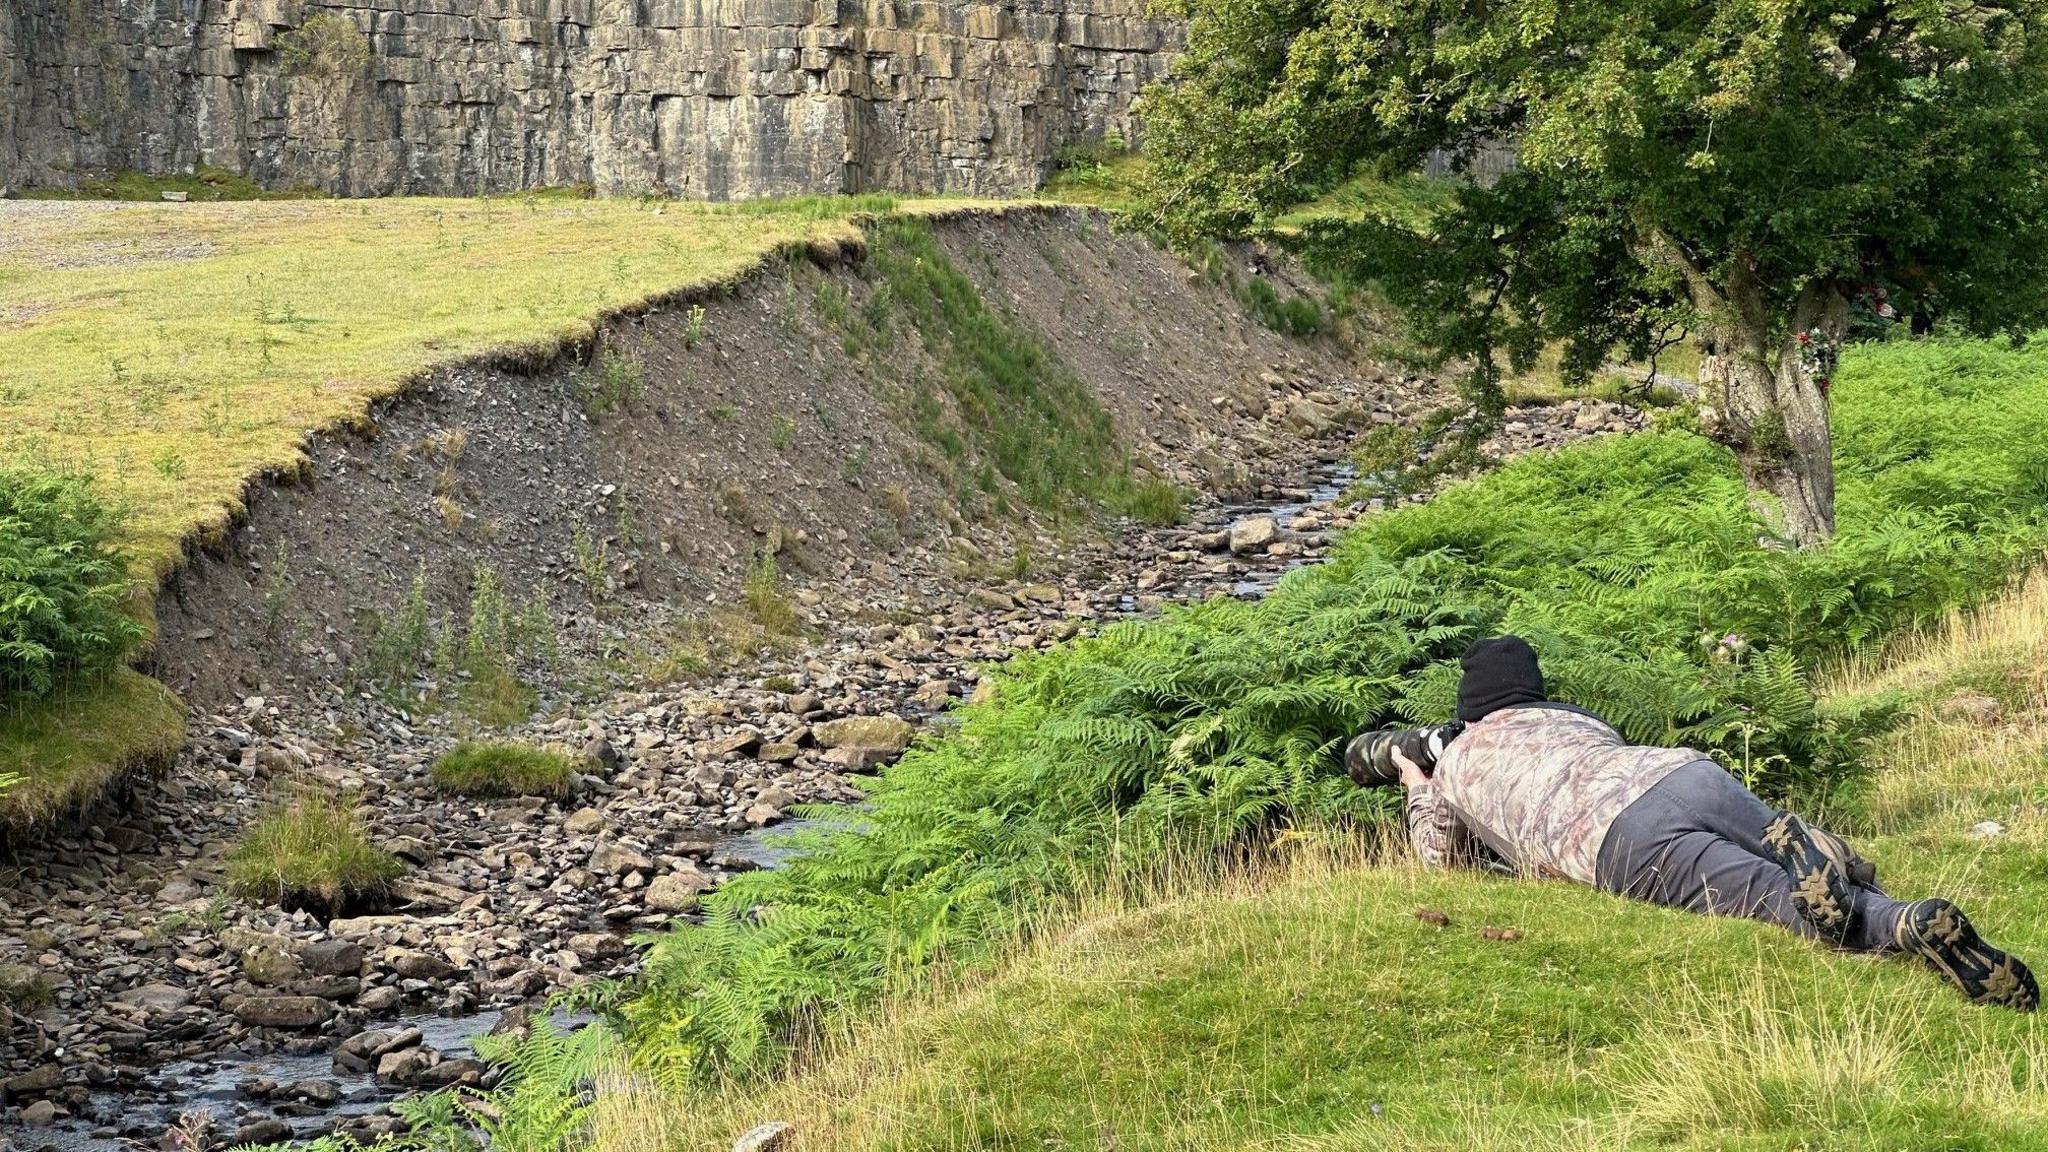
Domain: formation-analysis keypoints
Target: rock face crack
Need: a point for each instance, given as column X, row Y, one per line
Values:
column 705, row 99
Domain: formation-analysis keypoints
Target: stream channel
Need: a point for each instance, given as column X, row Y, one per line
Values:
column 114, row 1122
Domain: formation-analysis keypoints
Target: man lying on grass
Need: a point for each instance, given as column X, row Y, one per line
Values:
column 1520, row 784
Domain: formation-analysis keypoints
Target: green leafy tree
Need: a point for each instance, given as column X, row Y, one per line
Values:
column 1775, row 176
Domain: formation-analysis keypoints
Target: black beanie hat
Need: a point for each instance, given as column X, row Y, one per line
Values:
column 1499, row 673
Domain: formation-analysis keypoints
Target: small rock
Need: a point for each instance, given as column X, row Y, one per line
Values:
column 261, row 1132
column 771, row 1137
column 332, row 958
column 596, row 945
column 421, row 966
column 156, row 999
column 42, row 1079
column 742, row 742
column 41, row 1114
column 677, row 891
column 611, row 858
column 602, row 758
column 867, row 733
column 1254, row 535
column 319, row 1093
column 584, row 822
column 282, row 1011
column 405, row 1067
column 272, row 967
column 1973, row 708
column 1986, row 830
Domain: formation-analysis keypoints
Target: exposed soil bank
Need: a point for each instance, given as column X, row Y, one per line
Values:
column 749, row 424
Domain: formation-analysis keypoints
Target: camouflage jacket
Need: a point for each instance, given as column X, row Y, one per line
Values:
column 1533, row 790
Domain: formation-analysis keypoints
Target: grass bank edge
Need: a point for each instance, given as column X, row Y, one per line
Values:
column 63, row 770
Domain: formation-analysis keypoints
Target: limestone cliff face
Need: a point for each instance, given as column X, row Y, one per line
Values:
column 710, row 99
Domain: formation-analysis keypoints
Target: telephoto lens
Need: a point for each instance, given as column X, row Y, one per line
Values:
column 1370, row 759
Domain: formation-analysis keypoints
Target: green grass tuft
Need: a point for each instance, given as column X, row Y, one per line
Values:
column 1150, row 501
column 311, row 852
column 492, row 769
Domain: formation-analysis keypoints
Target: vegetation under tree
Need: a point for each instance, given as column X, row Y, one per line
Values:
column 1775, row 178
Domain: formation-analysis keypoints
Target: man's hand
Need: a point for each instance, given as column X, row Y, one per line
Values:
column 1411, row 772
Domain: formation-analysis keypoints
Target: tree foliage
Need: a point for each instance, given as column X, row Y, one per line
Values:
column 1774, row 176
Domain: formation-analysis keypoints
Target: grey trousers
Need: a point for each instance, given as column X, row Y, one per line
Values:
column 1695, row 841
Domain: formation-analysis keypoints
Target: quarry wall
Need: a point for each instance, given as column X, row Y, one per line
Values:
column 707, row 99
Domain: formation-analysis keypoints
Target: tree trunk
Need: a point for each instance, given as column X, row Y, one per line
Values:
column 1771, row 409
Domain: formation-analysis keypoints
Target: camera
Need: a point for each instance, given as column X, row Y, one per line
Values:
column 1370, row 758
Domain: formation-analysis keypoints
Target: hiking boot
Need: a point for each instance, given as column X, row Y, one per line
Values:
column 1861, row 873
column 1820, row 893
column 1939, row 933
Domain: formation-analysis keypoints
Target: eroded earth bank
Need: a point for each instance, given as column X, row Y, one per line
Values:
column 733, row 556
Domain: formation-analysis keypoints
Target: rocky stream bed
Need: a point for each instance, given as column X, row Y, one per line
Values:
column 153, row 1002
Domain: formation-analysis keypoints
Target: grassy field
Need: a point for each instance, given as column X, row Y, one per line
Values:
column 179, row 351
column 1305, row 1006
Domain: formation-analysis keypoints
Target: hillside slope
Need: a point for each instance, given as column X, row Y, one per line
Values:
column 1308, row 1007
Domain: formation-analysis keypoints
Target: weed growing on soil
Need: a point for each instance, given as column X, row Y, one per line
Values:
column 593, row 564
column 771, row 610
column 474, row 660
column 1150, row 501
column 311, row 852
column 495, row 769
column 398, row 648
column 1298, row 316
column 609, row 382
column 693, row 331
column 781, row 432
column 765, row 621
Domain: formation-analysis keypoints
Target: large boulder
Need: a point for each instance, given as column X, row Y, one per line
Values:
column 865, row 733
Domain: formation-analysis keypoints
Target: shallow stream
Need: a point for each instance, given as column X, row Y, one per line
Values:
column 121, row 1121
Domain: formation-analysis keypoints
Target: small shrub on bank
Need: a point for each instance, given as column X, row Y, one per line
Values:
column 311, row 852
column 490, row 769
column 61, row 583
